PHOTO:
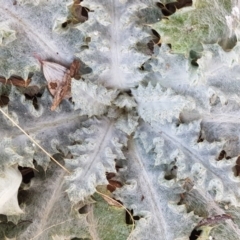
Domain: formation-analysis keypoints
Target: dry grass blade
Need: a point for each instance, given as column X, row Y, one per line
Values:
column 54, row 225
column 117, row 204
column 48, row 154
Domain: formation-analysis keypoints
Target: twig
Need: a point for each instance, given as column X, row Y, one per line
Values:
column 48, row 154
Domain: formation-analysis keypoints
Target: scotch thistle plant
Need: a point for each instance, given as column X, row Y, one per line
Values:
column 119, row 119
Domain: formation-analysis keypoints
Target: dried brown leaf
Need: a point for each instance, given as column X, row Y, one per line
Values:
column 115, row 183
column 59, row 79
column 16, row 81
column 110, row 175
column 63, row 90
column 74, row 69
column 79, row 13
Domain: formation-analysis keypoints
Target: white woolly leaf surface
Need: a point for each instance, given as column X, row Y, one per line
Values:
column 98, row 145
column 112, row 51
column 157, row 105
column 27, row 29
column 92, row 99
column 10, row 181
column 163, row 138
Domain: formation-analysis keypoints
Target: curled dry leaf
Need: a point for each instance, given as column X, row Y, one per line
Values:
column 113, row 184
column 214, row 220
column 59, row 80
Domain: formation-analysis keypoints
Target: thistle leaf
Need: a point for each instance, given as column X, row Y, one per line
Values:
column 189, row 27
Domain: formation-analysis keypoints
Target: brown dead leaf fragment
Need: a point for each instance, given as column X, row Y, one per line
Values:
column 113, row 184
column 74, row 69
column 63, row 91
column 16, row 81
column 79, row 13
column 59, row 79
column 237, row 167
column 110, row 175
